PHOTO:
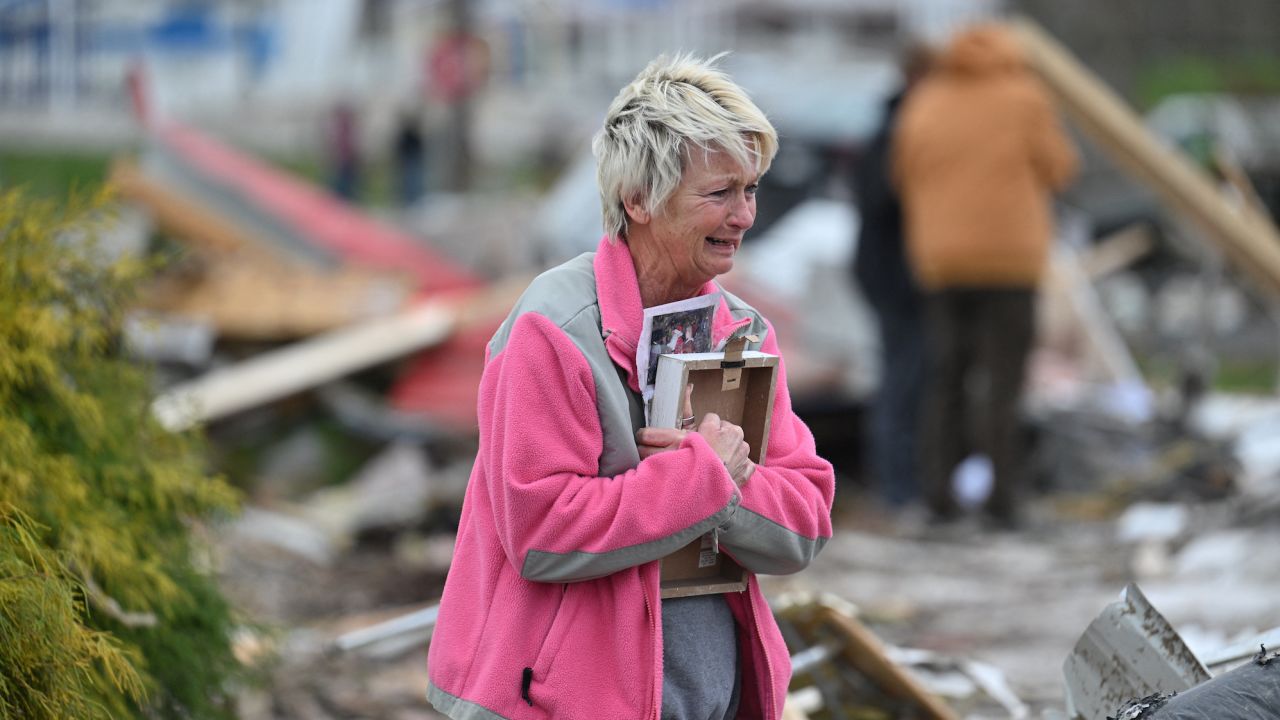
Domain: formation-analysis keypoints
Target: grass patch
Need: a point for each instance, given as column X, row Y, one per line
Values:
column 52, row 174
column 1252, row 376
column 1256, row 377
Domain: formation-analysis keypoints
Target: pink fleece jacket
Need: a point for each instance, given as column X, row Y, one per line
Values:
column 551, row 608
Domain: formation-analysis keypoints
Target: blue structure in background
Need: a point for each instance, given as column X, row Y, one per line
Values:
column 188, row 29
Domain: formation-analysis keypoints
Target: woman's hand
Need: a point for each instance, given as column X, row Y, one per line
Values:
column 651, row 441
column 724, row 437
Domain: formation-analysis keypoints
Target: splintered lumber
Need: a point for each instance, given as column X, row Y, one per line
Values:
column 240, row 284
column 327, row 357
column 303, row 365
column 400, row 631
column 192, row 221
column 272, row 300
column 1239, row 181
column 1247, row 238
column 1117, row 251
column 864, row 651
column 1073, row 304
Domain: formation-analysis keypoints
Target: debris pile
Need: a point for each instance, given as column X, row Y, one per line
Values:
column 1131, row 652
column 337, row 359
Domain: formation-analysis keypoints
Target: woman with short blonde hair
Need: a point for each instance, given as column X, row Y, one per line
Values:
column 553, row 607
column 673, row 107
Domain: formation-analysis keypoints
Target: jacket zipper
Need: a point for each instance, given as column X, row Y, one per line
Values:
column 764, row 649
column 653, row 643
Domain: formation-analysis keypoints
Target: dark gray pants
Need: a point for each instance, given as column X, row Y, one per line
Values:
column 978, row 341
column 701, row 679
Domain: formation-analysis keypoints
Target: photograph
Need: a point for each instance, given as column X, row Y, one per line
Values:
column 678, row 327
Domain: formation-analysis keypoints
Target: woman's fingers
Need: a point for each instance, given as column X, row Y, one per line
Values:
column 659, row 436
column 739, row 465
column 725, row 438
column 651, row 441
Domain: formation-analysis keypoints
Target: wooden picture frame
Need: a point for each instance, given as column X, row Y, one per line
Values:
column 738, row 386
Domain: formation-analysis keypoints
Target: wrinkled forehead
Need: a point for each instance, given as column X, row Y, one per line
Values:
column 716, row 160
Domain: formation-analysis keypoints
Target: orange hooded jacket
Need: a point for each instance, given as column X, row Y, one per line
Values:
column 977, row 153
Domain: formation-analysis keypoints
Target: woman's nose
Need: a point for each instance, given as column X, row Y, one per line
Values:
column 743, row 213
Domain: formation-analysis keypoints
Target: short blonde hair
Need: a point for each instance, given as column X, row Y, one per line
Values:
column 673, row 105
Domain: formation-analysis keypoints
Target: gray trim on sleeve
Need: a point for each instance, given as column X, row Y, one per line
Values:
column 456, row 708
column 767, row 548
column 542, row 566
column 557, row 294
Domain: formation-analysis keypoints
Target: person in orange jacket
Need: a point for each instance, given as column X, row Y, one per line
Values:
column 978, row 153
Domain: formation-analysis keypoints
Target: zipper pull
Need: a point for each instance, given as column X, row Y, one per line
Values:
column 715, row 540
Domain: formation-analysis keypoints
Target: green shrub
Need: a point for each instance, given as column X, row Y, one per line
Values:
column 104, row 611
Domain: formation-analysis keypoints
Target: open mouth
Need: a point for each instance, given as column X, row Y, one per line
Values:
column 721, row 243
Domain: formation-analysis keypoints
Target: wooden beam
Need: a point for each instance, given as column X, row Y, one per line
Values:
column 1250, row 241
column 1068, row 289
column 186, row 218
column 1117, row 251
column 273, row 375
column 1239, row 180
column 324, row 358
column 865, row 652
column 243, row 286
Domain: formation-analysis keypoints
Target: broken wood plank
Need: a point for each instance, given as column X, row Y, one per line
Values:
column 1249, row 240
column 1239, row 181
column 186, row 218
column 865, row 652
column 335, row 354
column 303, row 365
column 1117, row 250
column 270, row 299
column 1071, row 300
column 240, row 284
